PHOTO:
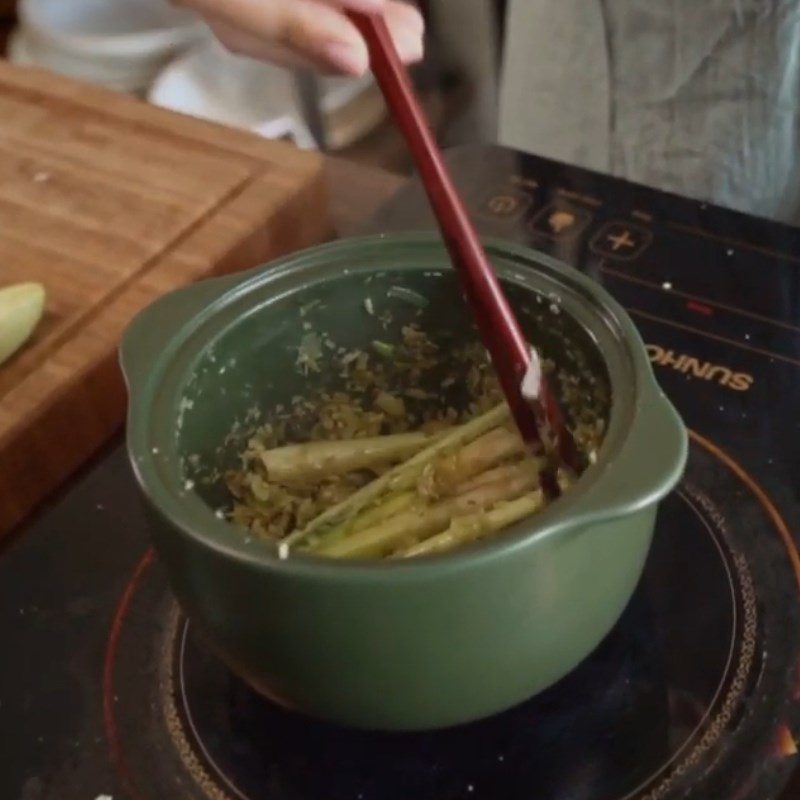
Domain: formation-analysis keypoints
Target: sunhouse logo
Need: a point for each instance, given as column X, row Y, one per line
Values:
column 704, row 370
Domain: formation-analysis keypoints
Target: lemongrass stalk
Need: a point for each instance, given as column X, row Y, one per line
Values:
column 463, row 530
column 501, row 473
column 404, row 500
column 394, row 504
column 418, row 523
column 450, row 470
column 387, row 508
column 403, row 476
column 315, row 460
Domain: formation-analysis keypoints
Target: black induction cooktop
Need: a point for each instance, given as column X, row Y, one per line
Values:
column 106, row 691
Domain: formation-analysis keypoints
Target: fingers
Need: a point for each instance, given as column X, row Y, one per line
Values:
column 407, row 28
column 370, row 6
column 242, row 43
column 309, row 32
column 288, row 32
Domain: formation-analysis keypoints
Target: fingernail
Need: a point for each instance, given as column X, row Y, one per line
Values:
column 412, row 20
column 347, row 58
column 409, row 44
column 367, row 5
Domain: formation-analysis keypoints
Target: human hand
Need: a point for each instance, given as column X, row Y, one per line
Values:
column 308, row 33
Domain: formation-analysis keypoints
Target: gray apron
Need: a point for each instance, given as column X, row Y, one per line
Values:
column 698, row 97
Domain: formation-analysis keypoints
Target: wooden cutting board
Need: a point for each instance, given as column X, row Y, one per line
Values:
column 110, row 202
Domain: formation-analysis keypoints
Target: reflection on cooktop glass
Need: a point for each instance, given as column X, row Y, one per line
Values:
column 109, row 691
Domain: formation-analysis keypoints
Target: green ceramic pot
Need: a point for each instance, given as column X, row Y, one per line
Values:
column 406, row 645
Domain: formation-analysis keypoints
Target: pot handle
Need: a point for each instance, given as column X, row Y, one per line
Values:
column 149, row 331
column 647, row 469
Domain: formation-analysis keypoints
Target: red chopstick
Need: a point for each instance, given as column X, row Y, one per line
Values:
column 510, row 352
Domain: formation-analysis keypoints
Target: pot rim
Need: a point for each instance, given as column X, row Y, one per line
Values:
column 193, row 518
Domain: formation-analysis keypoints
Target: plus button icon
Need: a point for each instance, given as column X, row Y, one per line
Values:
column 621, row 240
